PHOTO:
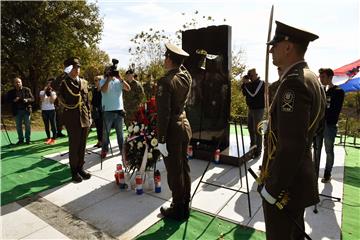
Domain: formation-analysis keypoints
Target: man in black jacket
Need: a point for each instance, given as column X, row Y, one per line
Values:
column 21, row 98
column 334, row 101
column 253, row 89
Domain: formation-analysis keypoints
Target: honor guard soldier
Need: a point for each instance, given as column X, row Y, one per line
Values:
column 73, row 96
column 174, row 130
column 133, row 98
column 287, row 173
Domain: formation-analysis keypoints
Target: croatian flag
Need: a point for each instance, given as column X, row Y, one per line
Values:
column 348, row 77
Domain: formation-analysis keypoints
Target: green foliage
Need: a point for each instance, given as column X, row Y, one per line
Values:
column 38, row 36
column 196, row 21
column 238, row 104
column 350, row 114
column 148, row 49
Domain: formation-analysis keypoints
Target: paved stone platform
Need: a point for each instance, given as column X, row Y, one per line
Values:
column 98, row 209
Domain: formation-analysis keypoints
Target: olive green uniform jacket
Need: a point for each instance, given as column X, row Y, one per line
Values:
column 295, row 112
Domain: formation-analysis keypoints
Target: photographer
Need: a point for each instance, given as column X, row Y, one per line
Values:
column 21, row 98
column 112, row 105
column 47, row 98
column 254, row 90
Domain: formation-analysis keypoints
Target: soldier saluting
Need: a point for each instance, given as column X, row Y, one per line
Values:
column 73, row 96
column 287, row 174
column 174, row 130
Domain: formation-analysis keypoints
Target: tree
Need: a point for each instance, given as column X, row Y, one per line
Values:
column 36, row 37
column 148, row 49
column 238, row 104
column 148, row 46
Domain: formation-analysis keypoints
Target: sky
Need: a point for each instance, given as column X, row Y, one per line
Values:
column 336, row 22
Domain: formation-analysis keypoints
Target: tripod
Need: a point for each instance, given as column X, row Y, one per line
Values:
column 6, row 132
column 241, row 161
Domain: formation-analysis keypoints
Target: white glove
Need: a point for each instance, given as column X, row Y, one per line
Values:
column 162, row 148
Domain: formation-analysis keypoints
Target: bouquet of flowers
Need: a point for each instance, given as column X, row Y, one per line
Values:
column 142, row 139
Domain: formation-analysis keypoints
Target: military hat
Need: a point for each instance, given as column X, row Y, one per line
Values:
column 75, row 61
column 130, row 71
column 172, row 49
column 292, row 34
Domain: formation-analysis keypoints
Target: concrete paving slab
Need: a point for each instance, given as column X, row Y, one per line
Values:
column 17, row 222
column 76, row 197
column 238, row 209
column 120, row 212
column 45, row 233
column 257, row 221
column 324, row 225
column 211, row 199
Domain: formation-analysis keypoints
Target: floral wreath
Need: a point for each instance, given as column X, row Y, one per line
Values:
column 142, row 134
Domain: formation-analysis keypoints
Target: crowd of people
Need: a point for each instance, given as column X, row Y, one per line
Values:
column 301, row 114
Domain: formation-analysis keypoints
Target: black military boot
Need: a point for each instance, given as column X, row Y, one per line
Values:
column 75, row 176
column 85, row 175
column 175, row 211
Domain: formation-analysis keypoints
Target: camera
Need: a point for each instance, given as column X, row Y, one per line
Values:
column 112, row 70
column 48, row 91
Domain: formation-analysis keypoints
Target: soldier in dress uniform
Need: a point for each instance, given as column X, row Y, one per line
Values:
column 73, row 96
column 133, row 98
column 287, row 173
column 59, row 109
column 174, row 130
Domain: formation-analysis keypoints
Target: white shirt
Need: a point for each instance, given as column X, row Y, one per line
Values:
column 46, row 103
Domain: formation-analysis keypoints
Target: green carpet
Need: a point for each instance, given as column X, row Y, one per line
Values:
column 199, row 226
column 202, row 226
column 25, row 172
column 351, row 198
column 244, row 129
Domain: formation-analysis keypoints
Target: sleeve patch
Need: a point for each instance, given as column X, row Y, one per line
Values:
column 287, row 101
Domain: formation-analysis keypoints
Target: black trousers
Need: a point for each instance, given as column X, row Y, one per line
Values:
column 278, row 224
column 49, row 116
column 99, row 128
column 77, row 144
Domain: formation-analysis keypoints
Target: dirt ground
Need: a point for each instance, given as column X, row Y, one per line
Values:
column 8, row 120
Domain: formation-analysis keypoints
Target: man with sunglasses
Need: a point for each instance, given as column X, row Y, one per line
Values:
column 288, row 181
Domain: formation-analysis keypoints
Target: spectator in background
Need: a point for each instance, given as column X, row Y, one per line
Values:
column 112, row 106
column 253, row 89
column 96, row 110
column 47, row 98
column 133, row 98
column 21, row 99
column 59, row 109
column 334, row 101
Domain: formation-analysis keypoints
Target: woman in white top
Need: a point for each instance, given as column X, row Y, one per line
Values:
column 47, row 98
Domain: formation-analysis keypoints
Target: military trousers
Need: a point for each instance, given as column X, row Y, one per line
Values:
column 77, row 143
column 176, row 163
column 255, row 116
column 279, row 226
